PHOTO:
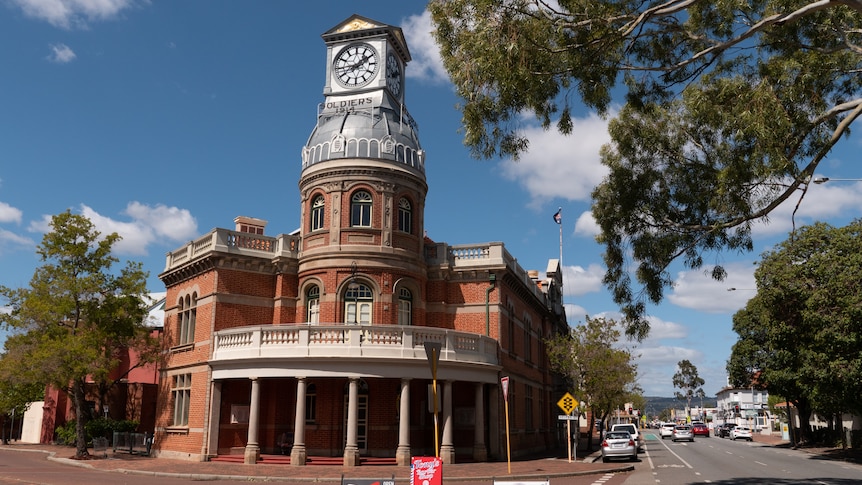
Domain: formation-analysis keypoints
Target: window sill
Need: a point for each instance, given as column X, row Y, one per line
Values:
column 182, row 348
column 177, row 430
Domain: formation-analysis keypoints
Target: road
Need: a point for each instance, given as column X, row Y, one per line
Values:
column 706, row 460
column 726, row 462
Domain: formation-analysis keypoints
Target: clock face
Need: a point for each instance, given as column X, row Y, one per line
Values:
column 393, row 74
column 355, row 65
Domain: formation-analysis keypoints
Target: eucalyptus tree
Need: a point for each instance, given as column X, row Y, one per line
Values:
column 602, row 374
column 728, row 108
column 800, row 334
column 78, row 316
column 687, row 380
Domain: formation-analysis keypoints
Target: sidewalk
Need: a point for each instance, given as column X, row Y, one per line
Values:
column 538, row 469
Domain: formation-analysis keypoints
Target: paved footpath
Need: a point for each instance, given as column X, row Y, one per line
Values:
column 521, row 470
column 518, row 470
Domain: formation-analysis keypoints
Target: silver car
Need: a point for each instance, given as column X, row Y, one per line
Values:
column 682, row 432
column 619, row 444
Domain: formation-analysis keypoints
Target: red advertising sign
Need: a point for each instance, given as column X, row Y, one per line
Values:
column 426, row 470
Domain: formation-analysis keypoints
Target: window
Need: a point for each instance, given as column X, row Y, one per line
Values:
column 181, row 393
column 405, row 307
column 405, row 216
column 528, row 407
column 360, row 209
column 311, row 404
column 528, row 342
column 511, row 328
column 312, row 298
column 188, row 313
column 358, row 296
column 317, row 210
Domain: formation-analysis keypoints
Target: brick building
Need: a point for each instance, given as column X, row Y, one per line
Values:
column 321, row 336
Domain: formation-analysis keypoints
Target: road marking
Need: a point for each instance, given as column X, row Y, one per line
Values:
column 759, row 463
column 605, row 478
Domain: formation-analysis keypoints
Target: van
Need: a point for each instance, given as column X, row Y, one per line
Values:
column 633, row 430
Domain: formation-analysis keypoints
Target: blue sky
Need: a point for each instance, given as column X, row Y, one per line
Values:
column 164, row 120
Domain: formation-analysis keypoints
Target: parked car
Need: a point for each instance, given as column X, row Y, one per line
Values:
column 619, row 444
column 724, row 430
column 682, row 432
column 700, row 429
column 633, row 430
column 666, row 430
column 740, row 432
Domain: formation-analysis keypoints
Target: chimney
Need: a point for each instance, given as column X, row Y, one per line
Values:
column 249, row 225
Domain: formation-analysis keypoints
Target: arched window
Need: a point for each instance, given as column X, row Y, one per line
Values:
column 188, row 314
column 360, row 209
column 405, row 216
column 357, row 304
column 312, row 299
column 405, row 307
column 317, row 211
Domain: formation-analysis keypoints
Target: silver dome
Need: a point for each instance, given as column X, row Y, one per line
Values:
column 380, row 131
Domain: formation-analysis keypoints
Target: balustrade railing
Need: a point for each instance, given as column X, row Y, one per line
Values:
column 351, row 341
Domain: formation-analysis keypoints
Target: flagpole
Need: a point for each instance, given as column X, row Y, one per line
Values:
column 562, row 298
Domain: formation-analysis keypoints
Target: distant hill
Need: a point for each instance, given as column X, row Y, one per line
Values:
column 655, row 404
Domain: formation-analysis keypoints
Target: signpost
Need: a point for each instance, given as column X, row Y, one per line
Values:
column 432, row 351
column 568, row 404
column 504, row 381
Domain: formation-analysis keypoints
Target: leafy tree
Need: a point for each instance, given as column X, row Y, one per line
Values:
column 801, row 331
column 729, row 108
column 602, row 376
column 16, row 394
column 77, row 316
column 688, row 381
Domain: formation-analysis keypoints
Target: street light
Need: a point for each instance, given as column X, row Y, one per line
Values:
column 823, row 180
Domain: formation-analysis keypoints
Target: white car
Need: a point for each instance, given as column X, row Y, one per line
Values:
column 666, row 430
column 740, row 432
column 633, row 430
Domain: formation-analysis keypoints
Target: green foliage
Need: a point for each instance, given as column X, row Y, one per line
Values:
column 729, row 108
column 688, row 381
column 105, row 427
column 801, row 331
column 77, row 317
column 602, row 375
column 67, row 434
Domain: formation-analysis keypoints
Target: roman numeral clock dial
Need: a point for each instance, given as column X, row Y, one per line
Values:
column 356, row 65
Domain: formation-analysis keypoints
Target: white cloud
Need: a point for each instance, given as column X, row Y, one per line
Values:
column 9, row 213
column 10, row 239
column 171, row 222
column 821, row 202
column 580, row 281
column 697, row 290
column 61, row 54
column 69, row 14
column 586, row 225
column 427, row 63
column 560, row 166
column 149, row 225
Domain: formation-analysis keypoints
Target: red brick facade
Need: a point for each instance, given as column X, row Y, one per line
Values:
column 352, row 302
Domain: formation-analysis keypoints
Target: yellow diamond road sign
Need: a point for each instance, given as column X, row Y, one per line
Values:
column 567, row 403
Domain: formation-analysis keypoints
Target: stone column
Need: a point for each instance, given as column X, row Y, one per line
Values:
column 402, row 453
column 351, row 450
column 252, row 448
column 480, row 453
column 298, row 453
column 214, row 421
column 447, row 448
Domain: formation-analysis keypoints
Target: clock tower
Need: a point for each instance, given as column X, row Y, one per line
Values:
column 364, row 56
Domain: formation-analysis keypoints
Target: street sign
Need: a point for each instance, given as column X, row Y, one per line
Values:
column 505, row 382
column 567, row 403
column 566, row 417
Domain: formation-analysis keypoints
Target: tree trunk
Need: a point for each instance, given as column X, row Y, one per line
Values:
column 79, row 400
